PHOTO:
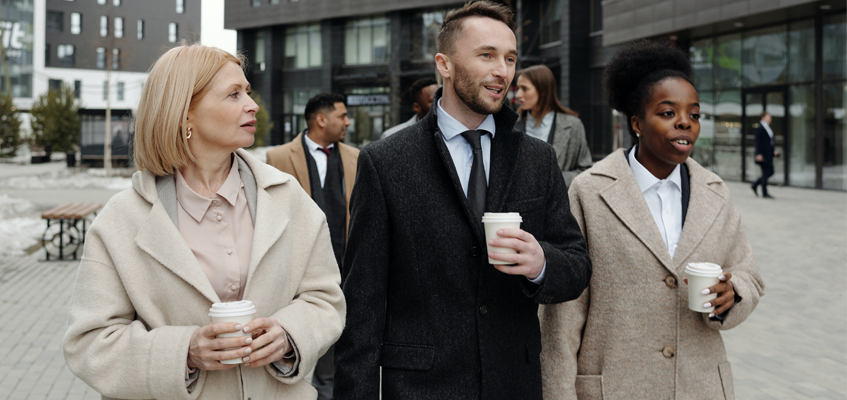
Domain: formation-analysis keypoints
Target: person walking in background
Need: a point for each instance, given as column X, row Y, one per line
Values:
column 764, row 154
column 326, row 168
column 424, row 303
column 646, row 213
column 204, row 222
column 544, row 117
column 421, row 93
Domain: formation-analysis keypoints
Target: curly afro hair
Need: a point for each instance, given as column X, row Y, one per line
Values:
column 634, row 70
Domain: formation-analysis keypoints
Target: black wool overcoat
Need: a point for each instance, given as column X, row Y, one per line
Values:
column 423, row 303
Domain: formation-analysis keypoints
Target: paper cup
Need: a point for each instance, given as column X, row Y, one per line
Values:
column 494, row 222
column 701, row 276
column 241, row 312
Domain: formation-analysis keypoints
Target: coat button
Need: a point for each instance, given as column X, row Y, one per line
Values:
column 668, row 352
column 474, row 251
column 670, row 281
column 483, row 310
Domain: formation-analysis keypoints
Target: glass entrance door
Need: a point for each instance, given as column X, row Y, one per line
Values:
column 774, row 102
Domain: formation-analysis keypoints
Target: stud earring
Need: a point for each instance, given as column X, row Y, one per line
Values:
column 188, row 136
column 637, row 134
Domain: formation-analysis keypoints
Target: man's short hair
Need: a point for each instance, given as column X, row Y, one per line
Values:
column 418, row 86
column 762, row 115
column 322, row 102
column 452, row 25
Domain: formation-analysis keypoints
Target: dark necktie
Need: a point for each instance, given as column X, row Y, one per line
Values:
column 325, row 150
column 477, row 185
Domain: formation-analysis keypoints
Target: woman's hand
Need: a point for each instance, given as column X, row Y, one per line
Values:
column 726, row 295
column 270, row 342
column 206, row 350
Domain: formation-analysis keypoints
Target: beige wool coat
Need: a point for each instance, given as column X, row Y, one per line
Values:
column 631, row 335
column 140, row 294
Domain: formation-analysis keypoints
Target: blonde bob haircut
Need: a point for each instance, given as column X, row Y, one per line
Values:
column 175, row 85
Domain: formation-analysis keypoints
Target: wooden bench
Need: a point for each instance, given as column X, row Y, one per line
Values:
column 62, row 235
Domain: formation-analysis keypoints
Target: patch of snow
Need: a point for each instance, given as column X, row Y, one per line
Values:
column 18, row 231
column 11, row 206
column 66, row 179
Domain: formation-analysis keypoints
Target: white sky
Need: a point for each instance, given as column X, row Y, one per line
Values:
column 212, row 27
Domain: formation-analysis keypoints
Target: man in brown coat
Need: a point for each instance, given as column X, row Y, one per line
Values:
column 326, row 168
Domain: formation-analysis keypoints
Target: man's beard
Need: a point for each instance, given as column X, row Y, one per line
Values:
column 468, row 92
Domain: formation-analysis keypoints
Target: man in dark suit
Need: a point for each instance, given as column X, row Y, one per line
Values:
column 764, row 154
column 326, row 169
column 424, row 305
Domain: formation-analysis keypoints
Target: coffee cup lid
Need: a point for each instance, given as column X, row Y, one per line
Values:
column 502, row 217
column 232, row 309
column 703, row 269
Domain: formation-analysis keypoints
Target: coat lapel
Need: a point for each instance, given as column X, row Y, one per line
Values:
column 160, row 238
column 267, row 229
column 703, row 207
column 625, row 199
column 505, row 147
column 447, row 160
column 298, row 160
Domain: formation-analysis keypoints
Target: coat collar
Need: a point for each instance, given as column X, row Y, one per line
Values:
column 505, row 148
column 624, row 198
column 159, row 235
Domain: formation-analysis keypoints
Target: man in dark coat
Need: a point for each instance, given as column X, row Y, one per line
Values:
column 764, row 154
column 424, row 306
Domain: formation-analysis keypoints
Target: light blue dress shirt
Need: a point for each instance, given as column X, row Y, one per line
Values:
column 462, row 153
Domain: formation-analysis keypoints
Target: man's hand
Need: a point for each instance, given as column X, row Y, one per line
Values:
column 759, row 158
column 530, row 256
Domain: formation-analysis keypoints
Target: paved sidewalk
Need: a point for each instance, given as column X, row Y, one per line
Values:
column 793, row 346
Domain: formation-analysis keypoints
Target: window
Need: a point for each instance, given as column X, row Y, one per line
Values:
column 65, row 53
column 116, row 59
column 101, row 1
column 366, row 41
column 596, row 15
column 116, row 3
column 54, row 84
column 274, row 1
column 180, row 6
column 101, row 58
column 260, row 50
column 105, row 90
column 303, row 46
column 46, row 54
column 551, row 21
column 55, row 21
column 256, row 3
column 104, row 26
column 140, row 29
column 120, row 91
column 76, row 23
column 119, row 27
column 424, row 35
column 172, row 32
column 77, row 88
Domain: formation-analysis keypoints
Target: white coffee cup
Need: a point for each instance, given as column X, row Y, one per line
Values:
column 702, row 276
column 495, row 221
column 242, row 312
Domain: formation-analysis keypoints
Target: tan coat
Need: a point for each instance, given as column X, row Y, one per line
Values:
column 631, row 335
column 140, row 294
column 291, row 159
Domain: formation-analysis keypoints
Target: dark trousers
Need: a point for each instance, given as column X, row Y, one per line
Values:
column 767, row 172
column 324, row 373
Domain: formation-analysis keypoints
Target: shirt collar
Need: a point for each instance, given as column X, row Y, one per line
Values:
column 313, row 147
column 196, row 205
column 450, row 127
column 646, row 179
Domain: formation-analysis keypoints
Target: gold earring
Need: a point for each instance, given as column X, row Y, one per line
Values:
column 188, row 136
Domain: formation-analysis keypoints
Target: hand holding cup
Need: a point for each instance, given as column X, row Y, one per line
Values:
column 270, row 342
column 527, row 258
column 206, row 350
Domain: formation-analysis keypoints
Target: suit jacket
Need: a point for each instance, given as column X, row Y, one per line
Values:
column 291, row 159
column 425, row 305
column 140, row 294
column 764, row 145
column 631, row 334
column 568, row 139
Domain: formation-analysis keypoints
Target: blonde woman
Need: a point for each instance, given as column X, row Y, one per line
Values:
column 204, row 222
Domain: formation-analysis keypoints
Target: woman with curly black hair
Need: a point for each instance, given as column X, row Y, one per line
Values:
column 646, row 212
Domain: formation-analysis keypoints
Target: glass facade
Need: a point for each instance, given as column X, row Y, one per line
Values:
column 366, row 41
column 551, row 21
column 367, row 121
column 303, row 46
column 425, row 30
column 773, row 69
